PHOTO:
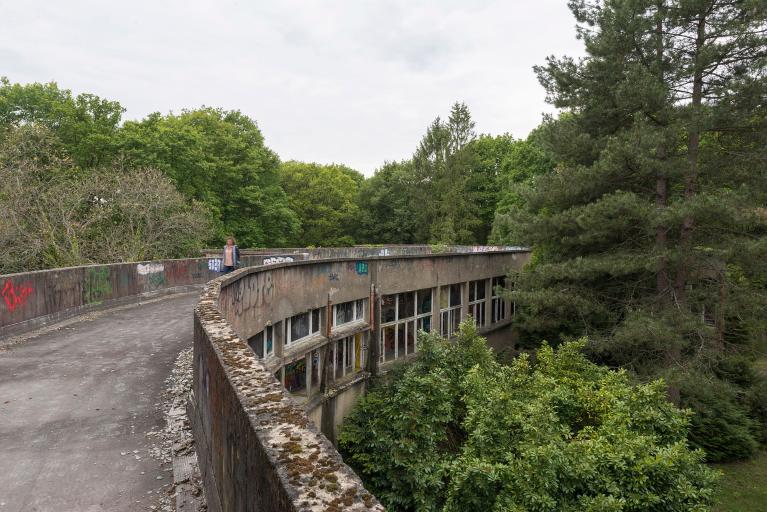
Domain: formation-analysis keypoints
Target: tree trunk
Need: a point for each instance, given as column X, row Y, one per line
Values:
column 661, row 182
column 693, row 155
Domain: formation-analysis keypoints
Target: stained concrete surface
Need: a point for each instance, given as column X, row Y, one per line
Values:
column 75, row 407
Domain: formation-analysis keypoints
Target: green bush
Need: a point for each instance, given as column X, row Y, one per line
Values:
column 457, row 431
column 721, row 424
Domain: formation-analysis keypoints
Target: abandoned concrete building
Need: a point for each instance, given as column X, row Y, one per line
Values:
column 279, row 345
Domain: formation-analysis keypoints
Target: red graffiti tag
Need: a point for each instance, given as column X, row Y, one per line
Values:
column 15, row 295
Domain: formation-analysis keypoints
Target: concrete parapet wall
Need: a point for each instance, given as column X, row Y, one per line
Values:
column 32, row 299
column 257, row 448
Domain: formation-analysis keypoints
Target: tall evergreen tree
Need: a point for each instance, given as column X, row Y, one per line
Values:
column 650, row 234
column 442, row 166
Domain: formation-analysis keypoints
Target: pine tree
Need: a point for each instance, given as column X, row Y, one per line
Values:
column 442, row 166
column 650, row 234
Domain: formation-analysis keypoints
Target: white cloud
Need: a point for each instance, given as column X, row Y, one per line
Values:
column 354, row 82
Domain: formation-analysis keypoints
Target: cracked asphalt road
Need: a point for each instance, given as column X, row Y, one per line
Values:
column 74, row 400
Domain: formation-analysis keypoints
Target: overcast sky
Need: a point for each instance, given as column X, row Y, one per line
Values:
column 353, row 82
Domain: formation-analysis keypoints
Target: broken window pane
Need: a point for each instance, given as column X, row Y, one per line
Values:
column 424, row 301
column 388, row 308
column 406, row 305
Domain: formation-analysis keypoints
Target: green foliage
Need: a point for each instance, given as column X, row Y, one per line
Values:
column 325, row 199
column 649, row 236
column 457, row 431
column 387, row 200
column 721, row 424
column 450, row 190
column 85, row 125
column 217, row 157
column 442, row 167
column 53, row 214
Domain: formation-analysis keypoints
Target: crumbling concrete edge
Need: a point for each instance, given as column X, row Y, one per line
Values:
column 282, row 462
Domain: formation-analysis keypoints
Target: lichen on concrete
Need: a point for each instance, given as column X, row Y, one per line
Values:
column 308, row 467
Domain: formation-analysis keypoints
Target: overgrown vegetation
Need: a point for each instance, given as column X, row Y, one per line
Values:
column 650, row 235
column 457, row 431
column 643, row 200
column 54, row 214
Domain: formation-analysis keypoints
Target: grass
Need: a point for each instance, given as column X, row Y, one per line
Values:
column 743, row 487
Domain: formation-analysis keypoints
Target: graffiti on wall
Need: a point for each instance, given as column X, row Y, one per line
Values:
column 333, row 276
column 15, row 296
column 145, row 269
column 98, row 285
column 214, row 264
column 178, row 272
column 154, row 274
column 277, row 259
column 362, row 268
column 256, row 291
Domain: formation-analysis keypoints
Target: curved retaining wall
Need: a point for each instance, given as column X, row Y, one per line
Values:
column 257, row 446
column 32, row 299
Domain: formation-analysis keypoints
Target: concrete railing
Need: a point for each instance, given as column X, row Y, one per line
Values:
column 257, row 446
column 33, row 299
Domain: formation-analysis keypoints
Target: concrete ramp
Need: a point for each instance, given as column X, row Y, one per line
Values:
column 75, row 406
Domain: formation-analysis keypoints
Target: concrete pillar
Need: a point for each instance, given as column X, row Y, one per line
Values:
column 278, row 337
column 436, row 317
column 488, row 301
column 464, row 301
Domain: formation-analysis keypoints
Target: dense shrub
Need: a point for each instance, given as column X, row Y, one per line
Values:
column 721, row 425
column 457, row 431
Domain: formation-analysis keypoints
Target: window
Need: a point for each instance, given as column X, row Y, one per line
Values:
column 302, row 325
column 351, row 311
column 388, row 308
column 263, row 342
column 346, row 356
column 401, row 315
column 498, row 304
column 450, row 301
column 295, row 376
column 359, row 309
column 424, row 302
column 315, row 320
column 389, row 343
column 477, row 302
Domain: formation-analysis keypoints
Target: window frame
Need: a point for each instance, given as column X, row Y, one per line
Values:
column 313, row 329
column 358, row 311
column 448, row 315
column 409, row 324
column 498, row 303
column 266, row 342
column 477, row 304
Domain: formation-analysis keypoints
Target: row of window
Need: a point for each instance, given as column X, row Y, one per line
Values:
column 403, row 315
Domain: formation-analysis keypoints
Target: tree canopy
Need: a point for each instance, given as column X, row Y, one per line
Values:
column 217, row 157
column 650, row 234
column 325, row 199
column 457, row 431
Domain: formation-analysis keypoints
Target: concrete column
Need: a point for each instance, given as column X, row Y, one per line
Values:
column 278, row 337
column 464, row 300
column 488, row 301
column 436, row 317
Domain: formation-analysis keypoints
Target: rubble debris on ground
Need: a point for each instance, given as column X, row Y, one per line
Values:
column 173, row 445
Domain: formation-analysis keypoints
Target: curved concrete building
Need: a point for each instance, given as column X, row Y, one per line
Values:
column 283, row 351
